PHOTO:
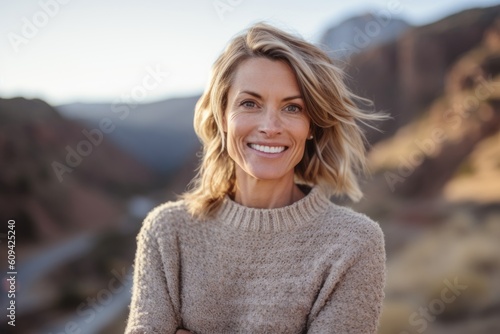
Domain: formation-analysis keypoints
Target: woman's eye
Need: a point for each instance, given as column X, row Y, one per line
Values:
column 248, row 104
column 293, row 108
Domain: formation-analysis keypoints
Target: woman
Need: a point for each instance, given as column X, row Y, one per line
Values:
column 256, row 246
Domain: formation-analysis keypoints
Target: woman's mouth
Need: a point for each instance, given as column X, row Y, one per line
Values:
column 268, row 149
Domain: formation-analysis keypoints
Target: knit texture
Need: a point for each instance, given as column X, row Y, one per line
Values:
column 310, row 267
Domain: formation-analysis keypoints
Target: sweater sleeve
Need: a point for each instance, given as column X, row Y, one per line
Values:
column 353, row 302
column 151, row 308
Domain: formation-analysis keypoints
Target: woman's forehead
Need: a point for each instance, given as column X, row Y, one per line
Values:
column 263, row 76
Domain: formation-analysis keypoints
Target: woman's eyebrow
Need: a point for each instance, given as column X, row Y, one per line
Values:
column 257, row 95
column 293, row 97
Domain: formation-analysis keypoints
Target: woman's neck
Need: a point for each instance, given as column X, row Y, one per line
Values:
column 266, row 194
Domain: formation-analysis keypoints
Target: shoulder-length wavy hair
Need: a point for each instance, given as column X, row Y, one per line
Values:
column 332, row 159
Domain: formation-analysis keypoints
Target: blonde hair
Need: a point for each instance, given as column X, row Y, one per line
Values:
column 331, row 159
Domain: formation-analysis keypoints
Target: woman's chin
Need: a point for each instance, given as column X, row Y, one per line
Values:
column 271, row 175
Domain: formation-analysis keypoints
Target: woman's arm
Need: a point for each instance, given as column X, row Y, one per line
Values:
column 353, row 305
column 151, row 308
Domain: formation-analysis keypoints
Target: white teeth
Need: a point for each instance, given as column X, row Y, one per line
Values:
column 268, row 149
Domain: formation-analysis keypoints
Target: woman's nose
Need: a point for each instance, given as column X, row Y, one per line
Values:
column 271, row 123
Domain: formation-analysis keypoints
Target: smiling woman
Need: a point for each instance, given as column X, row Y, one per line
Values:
column 266, row 126
column 256, row 246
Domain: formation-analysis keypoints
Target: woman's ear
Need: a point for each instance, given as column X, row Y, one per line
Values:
column 311, row 133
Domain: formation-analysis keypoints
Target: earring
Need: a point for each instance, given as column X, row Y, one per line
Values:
column 310, row 137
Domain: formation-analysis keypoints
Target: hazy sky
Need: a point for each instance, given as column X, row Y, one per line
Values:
column 101, row 51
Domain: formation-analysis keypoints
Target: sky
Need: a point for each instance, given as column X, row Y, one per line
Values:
column 66, row 51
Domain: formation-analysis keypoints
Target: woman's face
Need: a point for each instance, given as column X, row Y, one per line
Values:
column 265, row 120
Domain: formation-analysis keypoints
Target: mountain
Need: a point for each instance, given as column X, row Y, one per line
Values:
column 158, row 134
column 456, row 137
column 405, row 75
column 362, row 32
column 55, row 179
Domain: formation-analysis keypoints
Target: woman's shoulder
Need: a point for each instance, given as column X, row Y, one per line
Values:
column 352, row 224
column 165, row 217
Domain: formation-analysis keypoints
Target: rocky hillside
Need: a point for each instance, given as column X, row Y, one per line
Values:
column 436, row 184
column 58, row 176
column 453, row 145
column 406, row 75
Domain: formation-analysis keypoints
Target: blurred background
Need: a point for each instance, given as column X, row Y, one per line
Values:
column 96, row 108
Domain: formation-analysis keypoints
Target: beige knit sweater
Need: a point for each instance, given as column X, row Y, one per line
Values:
column 311, row 267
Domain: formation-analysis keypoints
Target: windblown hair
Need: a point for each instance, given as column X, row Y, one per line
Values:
column 332, row 159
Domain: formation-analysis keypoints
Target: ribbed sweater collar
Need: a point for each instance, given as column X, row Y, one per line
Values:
column 286, row 218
